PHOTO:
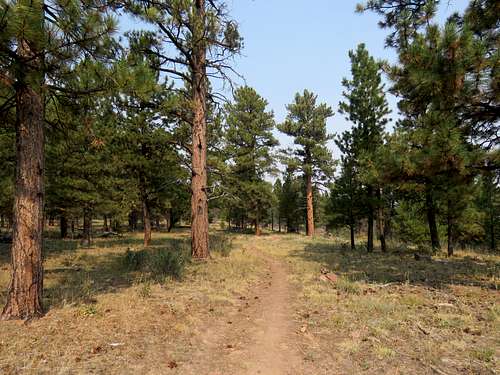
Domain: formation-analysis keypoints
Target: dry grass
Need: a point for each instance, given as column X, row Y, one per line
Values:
column 391, row 314
column 103, row 319
column 386, row 314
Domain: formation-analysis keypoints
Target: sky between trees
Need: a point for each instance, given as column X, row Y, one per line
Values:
column 298, row 44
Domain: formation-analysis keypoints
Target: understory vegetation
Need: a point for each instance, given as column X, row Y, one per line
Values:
column 383, row 312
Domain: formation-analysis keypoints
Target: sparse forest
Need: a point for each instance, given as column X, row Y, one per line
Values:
column 157, row 216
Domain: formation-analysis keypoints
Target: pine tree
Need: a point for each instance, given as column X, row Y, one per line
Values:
column 249, row 142
column 278, row 191
column 148, row 157
column 488, row 201
column 345, row 205
column 445, row 78
column 204, row 38
column 39, row 39
column 306, row 123
column 366, row 107
column 291, row 201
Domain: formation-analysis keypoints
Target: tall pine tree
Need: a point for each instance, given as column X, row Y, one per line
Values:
column 306, row 124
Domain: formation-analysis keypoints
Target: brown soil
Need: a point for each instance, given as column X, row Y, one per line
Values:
column 260, row 336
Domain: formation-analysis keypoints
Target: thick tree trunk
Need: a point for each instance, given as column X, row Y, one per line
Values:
column 87, row 227
column 199, row 201
column 369, row 245
column 24, row 299
column 310, row 206
column 146, row 221
column 431, row 219
column 63, row 226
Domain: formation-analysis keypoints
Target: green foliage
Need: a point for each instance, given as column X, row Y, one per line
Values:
column 156, row 264
column 306, row 124
column 443, row 78
column 292, row 201
column 365, row 106
column 248, row 145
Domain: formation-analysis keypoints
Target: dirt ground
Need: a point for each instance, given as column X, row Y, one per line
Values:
column 264, row 309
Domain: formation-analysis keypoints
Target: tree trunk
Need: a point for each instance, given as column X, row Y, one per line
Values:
column 353, row 244
column 199, row 201
column 87, row 227
column 132, row 220
column 146, row 221
column 63, row 226
column 381, row 222
column 105, row 225
column 24, row 299
column 257, row 223
column 115, row 225
column 450, row 229
column 171, row 220
column 431, row 219
column 492, row 240
column 279, row 223
column 310, row 206
column 369, row 245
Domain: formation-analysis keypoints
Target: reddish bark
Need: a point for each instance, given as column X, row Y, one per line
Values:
column 24, row 298
column 310, row 206
column 146, row 222
column 199, row 201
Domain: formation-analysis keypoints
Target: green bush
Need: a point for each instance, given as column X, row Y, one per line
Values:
column 166, row 263
column 134, row 260
column 156, row 264
column 221, row 243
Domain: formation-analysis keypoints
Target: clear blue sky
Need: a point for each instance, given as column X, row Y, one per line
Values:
column 291, row 45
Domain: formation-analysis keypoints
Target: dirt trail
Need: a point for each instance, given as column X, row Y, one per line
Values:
column 273, row 350
column 259, row 337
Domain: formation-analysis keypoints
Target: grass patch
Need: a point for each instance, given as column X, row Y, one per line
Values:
column 221, row 243
column 156, row 264
column 412, row 316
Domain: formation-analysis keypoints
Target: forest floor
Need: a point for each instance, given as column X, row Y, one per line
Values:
column 264, row 309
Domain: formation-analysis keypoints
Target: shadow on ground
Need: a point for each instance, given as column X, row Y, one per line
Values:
column 470, row 270
column 76, row 275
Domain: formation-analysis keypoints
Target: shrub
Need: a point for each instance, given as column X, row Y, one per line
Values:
column 156, row 264
column 165, row 263
column 134, row 260
column 221, row 243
